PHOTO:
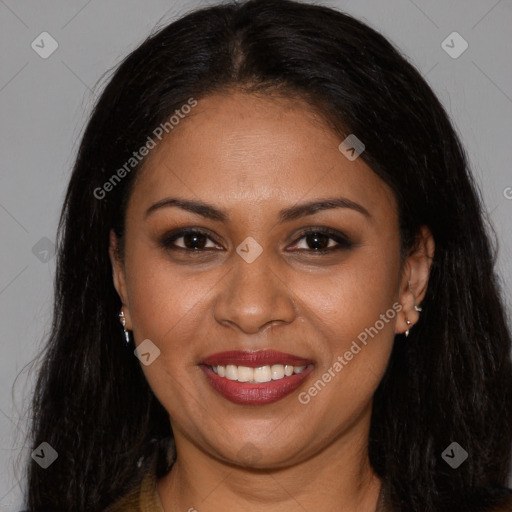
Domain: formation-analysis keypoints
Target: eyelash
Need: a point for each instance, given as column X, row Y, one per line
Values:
column 167, row 241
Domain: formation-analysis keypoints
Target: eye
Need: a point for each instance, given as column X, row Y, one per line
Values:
column 194, row 240
column 319, row 240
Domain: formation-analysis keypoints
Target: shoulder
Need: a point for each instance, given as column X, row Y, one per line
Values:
column 504, row 506
column 143, row 498
column 501, row 500
column 128, row 503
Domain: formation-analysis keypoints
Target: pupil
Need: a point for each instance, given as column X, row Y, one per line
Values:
column 313, row 239
column 194, row 236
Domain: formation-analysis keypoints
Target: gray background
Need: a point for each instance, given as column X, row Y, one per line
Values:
column 45, row 102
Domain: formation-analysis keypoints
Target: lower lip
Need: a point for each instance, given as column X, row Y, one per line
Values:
column 255, row 393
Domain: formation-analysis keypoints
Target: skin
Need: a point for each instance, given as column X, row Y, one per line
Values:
column 252, row 156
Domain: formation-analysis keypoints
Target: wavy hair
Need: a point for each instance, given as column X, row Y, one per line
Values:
column 452, row 379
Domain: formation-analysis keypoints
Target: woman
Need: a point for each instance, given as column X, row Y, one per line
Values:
column 275, row 289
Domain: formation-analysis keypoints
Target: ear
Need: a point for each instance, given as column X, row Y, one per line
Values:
column 414, row 279
column 118, row 276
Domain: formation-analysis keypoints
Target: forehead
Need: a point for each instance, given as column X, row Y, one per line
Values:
column 237, row 150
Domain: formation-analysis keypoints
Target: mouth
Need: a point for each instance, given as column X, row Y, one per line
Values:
column 255, row 378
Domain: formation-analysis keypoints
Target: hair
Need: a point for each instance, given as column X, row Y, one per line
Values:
column 450, row 382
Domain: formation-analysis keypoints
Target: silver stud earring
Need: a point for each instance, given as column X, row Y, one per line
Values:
column 408, row 322
column 417, row 308
column 126, row 332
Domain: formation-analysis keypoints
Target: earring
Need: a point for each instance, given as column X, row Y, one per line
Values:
column 416, row 308
column 126, row 332
column 408, row 322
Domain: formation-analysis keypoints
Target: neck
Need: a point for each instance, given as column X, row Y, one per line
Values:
column 339, row 478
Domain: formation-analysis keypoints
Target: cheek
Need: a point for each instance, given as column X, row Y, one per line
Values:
column 166, row 304
column 170, row 305
column 354, row 295
column 354, row 312
column 163, row 296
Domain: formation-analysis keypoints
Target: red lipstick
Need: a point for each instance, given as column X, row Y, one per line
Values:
column 255, row 393
column 253, row 359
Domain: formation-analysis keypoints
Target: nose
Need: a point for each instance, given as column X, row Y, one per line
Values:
column 254, row 296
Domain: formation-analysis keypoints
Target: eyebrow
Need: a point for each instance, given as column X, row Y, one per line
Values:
column 287, row 214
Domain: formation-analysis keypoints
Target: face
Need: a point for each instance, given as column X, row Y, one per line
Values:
column 259, row 273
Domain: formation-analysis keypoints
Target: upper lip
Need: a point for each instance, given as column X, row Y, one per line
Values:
column 254, row 359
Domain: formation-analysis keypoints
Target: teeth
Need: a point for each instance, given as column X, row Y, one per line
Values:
column 246, row 374
column 260, row 374
column 277, row 371
column 231, row 372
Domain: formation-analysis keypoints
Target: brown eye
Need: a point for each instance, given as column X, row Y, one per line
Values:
column 316, row 241
column 324, row 241
column 193, row 240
